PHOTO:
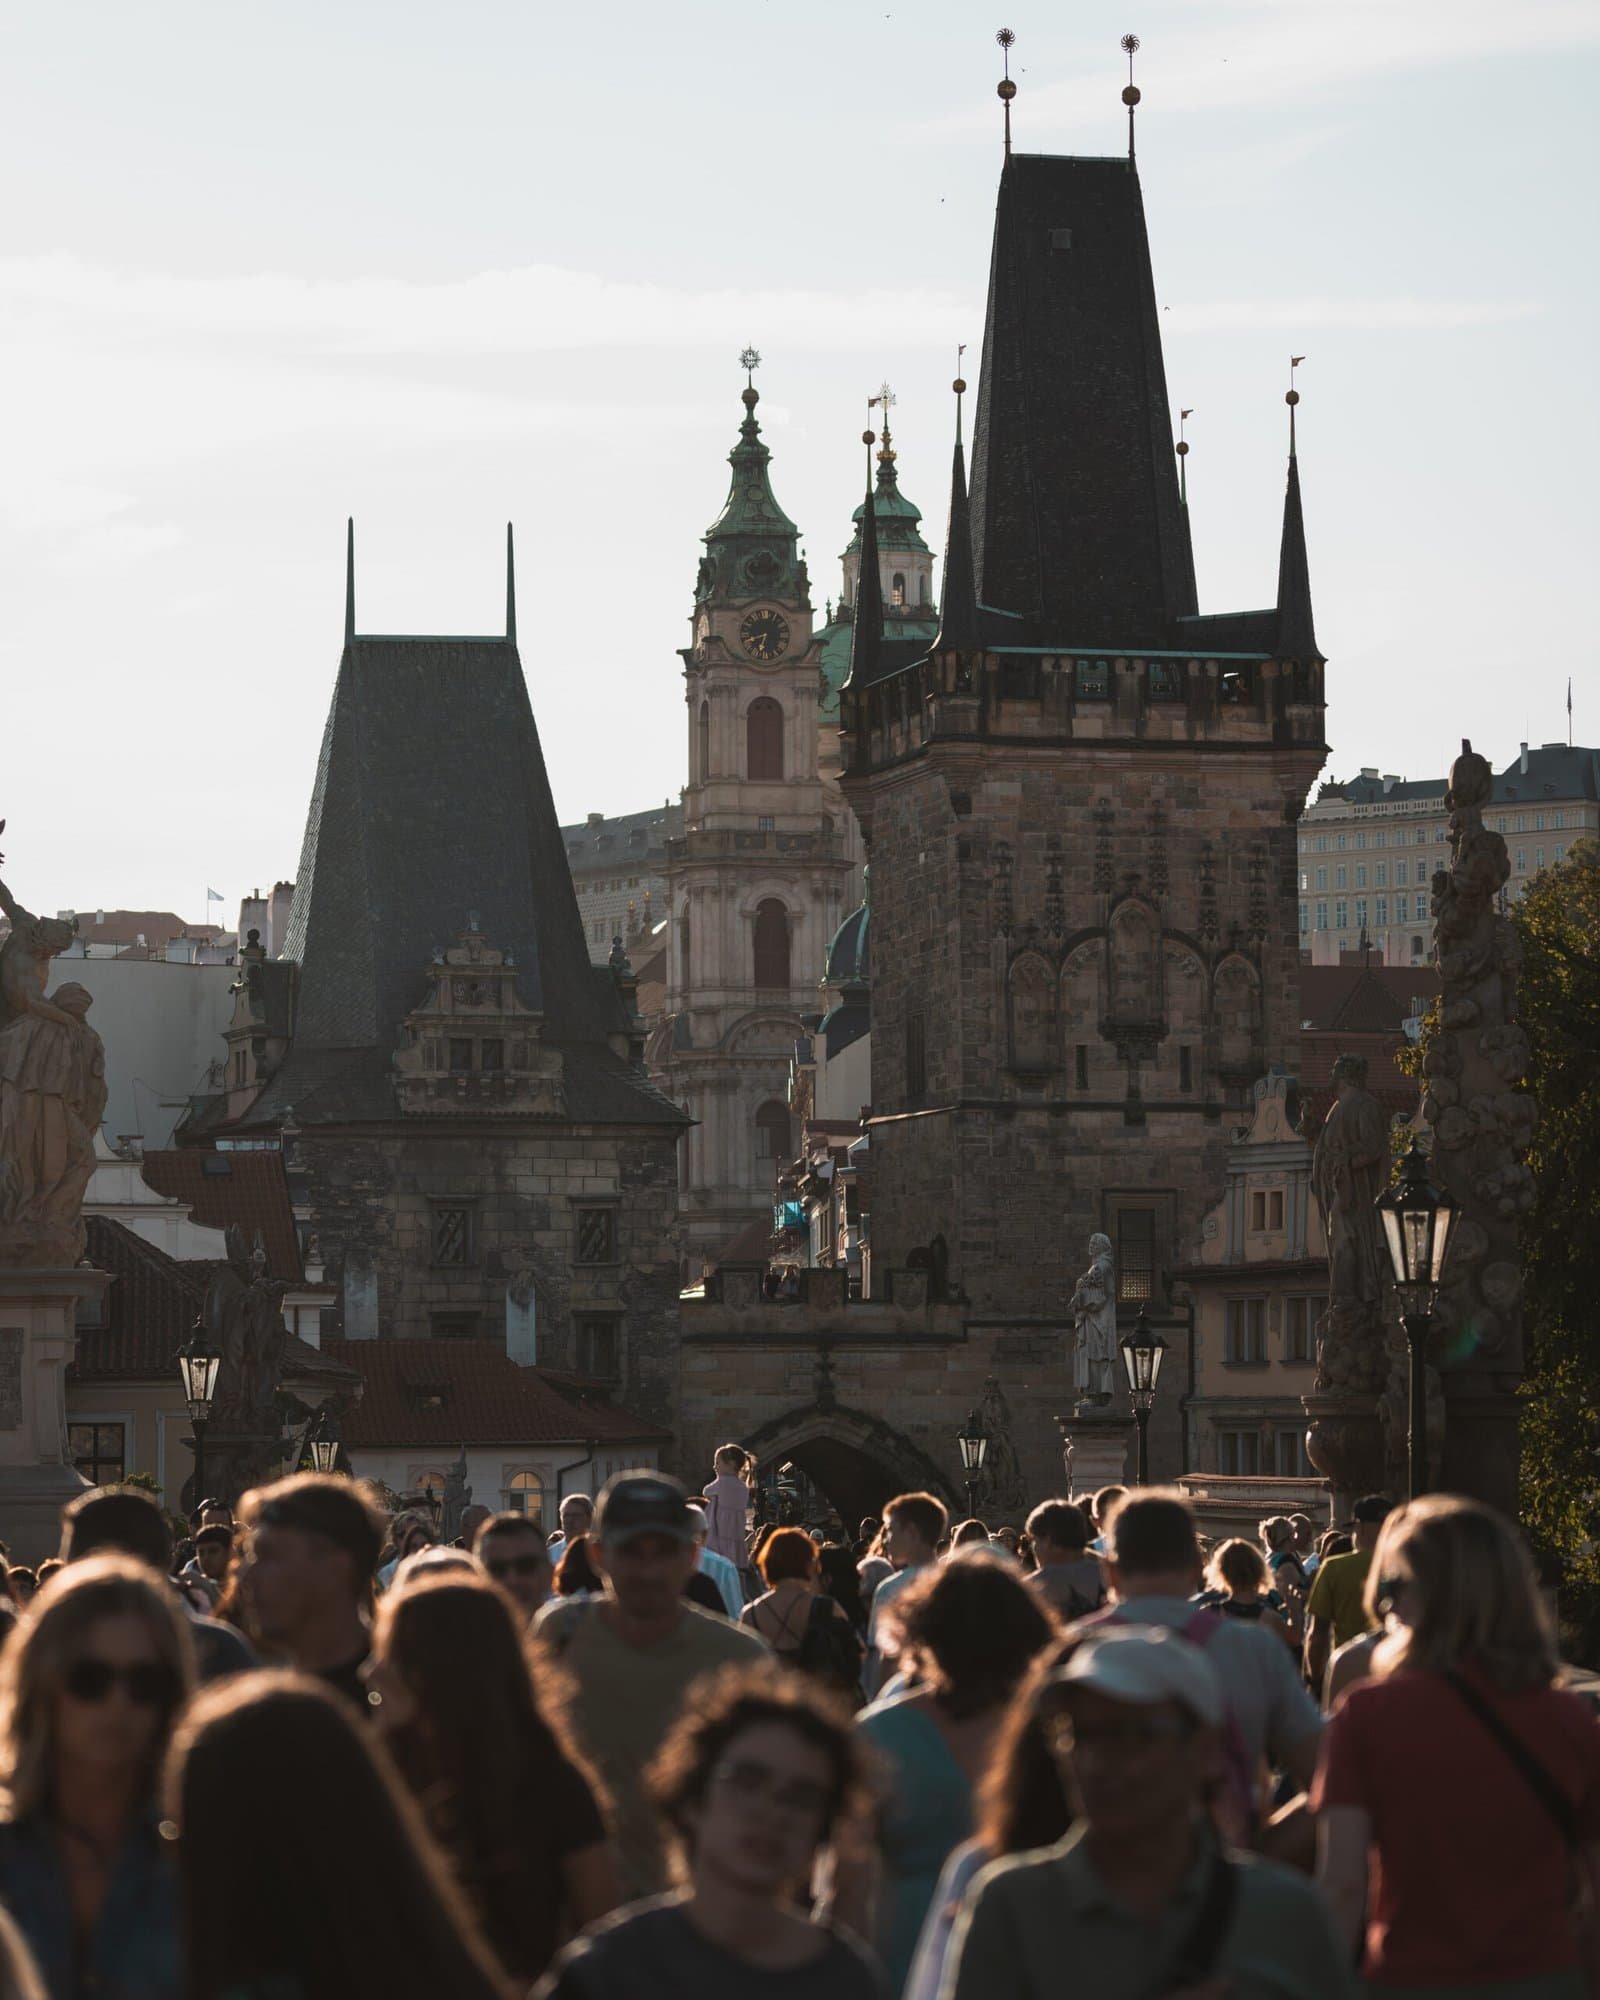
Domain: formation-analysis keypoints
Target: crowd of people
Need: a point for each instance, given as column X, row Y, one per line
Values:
column 314, row 1752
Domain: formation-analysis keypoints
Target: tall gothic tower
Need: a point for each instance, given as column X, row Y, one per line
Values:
column 759, row 879
column 1079, row 804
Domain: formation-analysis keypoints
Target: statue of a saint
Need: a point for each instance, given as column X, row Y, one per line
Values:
column 1349, row 1170
column 52, row 1095
column 1094, row 1317
column 243, row 1314
column 457, row 1497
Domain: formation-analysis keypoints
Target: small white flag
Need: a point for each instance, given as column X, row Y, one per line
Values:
column 215, row 896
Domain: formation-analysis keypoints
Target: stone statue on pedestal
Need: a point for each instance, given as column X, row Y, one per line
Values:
column 52, row 1096
column 243, row 1315
column 1094, row 1319
column 456, row 1499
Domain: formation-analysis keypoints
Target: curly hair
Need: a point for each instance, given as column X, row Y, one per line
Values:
column 975, row 1626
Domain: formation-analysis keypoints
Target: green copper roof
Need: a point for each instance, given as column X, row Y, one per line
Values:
column 895, row 515
column 750, row 546
column 919, row 621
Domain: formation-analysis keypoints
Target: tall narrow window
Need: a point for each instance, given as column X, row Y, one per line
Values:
column 897, row 590
column 763, row 738
column 1136, row 1254
column 704, row 758
column 1186, row 1064
column 772, row 944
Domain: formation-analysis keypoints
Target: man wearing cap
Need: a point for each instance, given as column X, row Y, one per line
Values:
column 314, row 1545
column 1139, row 1899
column 634, row 1652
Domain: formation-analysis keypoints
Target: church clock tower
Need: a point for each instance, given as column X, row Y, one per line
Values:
column 759, row 880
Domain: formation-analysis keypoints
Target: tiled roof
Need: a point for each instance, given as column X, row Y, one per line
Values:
column 447, row 1393
column 1364, row 999
column 248, row 1188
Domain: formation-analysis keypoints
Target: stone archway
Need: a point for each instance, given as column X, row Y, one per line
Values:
column 858, row 1461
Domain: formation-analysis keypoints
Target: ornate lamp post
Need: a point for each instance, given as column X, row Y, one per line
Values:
column 1418, row 1219
column 1143, row 1351
column 322, row 1446
column 974, row 1442
column 199, row 1364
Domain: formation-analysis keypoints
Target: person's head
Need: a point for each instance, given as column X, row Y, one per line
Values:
column 449, row 1652
column 867, row 1532
column 408, row 1532
column 1277, row 1533
column 788, row 1556
column 576, row 1515
column 1238, row 1567
column 1334, row 1542
column 913, row 1527
column 213, row 1551
column 1370, row 1513
column 314, row 1543
column 1137, row 1730
column 472, row 1520
column 757, row 1774
column 1022, row 1801
column 116, row 1520
column 730, row 1458
column 24, row 1583
column 974, row 1627
column 92, row 1679
column 1304, row 1532
column 1103, row 1506
column 213, row 1514
column 428, row 1562
column 514, row 1554
column 1457, row 1586
column 837, row 1575
column 256, row 1867
column 970, row 1534
column 576, row 1573
column 1059, row 1532
column 645, row 1543
column 1008, row 1538
column 1152, row 1546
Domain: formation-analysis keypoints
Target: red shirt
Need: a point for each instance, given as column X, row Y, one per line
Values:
column 1468, row 1872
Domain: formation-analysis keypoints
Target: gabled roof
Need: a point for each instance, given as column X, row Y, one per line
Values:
column 442, row 1394
column 1364, row 999
column 247, row 1188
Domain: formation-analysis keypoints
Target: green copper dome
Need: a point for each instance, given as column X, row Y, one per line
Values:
column 751, row 545
column 896, row 516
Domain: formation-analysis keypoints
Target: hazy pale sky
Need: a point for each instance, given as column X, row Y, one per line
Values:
column 445, row 266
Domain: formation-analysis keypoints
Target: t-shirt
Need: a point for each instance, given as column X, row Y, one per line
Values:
column 1467, row 1871
column 627, row 1697
column 654, row 1952
column 1072, row 1589
column 347, row 1679
column 1336, row 1593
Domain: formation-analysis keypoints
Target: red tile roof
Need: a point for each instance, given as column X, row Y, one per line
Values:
column 248, row 1188
column 469, row 1392
column 1363, row 998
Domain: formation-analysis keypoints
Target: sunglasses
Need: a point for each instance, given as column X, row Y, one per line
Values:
column 147, row 1682
column 517, row 1566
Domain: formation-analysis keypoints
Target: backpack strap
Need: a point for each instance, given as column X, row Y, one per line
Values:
column 1202, row 1945
column 1538, row 1779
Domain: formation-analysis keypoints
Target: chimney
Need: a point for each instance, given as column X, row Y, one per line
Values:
column 1390, row 780
column 1370, row 772
column 1522, row 761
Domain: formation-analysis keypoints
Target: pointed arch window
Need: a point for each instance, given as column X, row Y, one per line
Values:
column 704, row 744
column 897, row 589
column 771, row 944
column 763, row 738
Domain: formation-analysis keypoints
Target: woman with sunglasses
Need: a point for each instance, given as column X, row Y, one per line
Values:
column 1458, row 1791
column 757, row 1775
column 466, row 1720
column 88, row 1692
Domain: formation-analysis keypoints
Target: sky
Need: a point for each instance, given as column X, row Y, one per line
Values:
column 438, row 268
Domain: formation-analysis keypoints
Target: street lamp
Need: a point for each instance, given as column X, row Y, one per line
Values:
column 199, row 1364
column 974, row 1442
column 1143, row 1351
column 1417, row 1222
column 323, row 1443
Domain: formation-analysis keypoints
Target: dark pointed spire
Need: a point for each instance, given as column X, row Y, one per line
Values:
column 866, row 631
column 1297, row 639
column 349, row 579
column 511, row 589
column 1130, row 95
column 958, row 599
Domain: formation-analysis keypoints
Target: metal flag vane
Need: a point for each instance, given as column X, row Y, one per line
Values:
column 884, row 400
column 1293, row 397
column 1130, row 95
column 960, row 388
column 1005, row 89
column 1183, row 456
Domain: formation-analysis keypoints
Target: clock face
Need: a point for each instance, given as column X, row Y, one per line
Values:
column 765, row 635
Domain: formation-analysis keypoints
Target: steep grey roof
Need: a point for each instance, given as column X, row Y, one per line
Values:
column 1555, row 771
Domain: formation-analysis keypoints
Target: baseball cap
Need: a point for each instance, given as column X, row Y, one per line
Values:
column 643, row 1503
column 1144, row 1664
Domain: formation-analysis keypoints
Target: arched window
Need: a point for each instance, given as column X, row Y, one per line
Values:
column 773, row 1143
column 772, row 944
column 763, row 738
column 525, row 1495
column 704, row 760
column 897, row 590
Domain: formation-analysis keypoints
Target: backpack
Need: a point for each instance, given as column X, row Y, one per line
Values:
column 828, row 1650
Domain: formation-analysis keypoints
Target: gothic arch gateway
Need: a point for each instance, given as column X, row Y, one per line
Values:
column 859, row 1461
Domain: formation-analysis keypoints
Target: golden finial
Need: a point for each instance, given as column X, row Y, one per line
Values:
column 1005, row 90
column 884, row 400
column 1130, row 96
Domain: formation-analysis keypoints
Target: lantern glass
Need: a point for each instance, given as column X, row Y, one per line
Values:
column 974, row 1443
column 324, row 1454
column 198, row 1367
column 1417, row 1221
column 1143, row 1351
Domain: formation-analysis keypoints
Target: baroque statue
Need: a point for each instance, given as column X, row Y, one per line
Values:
column 52, row 1095
column 1094, row 1320
column 1349, row 1170
column 243, row 1315
column 456, row 1499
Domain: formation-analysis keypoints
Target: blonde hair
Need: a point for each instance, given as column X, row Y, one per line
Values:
column 51, row 1639
column 1474, row 1596
column 1237, row 1564
column 1277, row 1531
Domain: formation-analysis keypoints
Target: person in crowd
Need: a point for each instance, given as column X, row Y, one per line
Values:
column 974, row 1628
column 837, row 1575
column 314, row 1544
column 430, row 1561
column 913, row 1527
column 970, row 1535
column 717, row 1569
column 872, row 1565
column 1236, row 1585
column 1348, row 1665
column 1069, row 1579
column 802, row 1624
column 408, row 1532
column 51, row 1566
column 514, row 1555
column 727, row 1498
column 634, row 1652
column 126, row 1521
column 213, row 1552
column 1459, row 1786
column 1331, row 1542
column 576, row 1515
column 754, row 1779
column 1305, row 1542
column 472, row 1520
column 89, row 1690
column 462, row 1710
column 24, row 1582
column 1154, row 1570
column 576, row 1575
column 306, row 1873
column 1286, row 1572
column 1140, row 1899
column 1101, row 1508
column 1336, row 1609
column 20, row 1977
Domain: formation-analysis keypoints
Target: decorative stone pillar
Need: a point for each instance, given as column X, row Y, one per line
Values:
column 1094, row 1451
column 38, row 1333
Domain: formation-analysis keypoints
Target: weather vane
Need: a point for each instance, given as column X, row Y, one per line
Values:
column 1183, row 456
column 1293, row 397
column 1130, row 96
column 750, row 361
column 960, row 388
column 1005, row 90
